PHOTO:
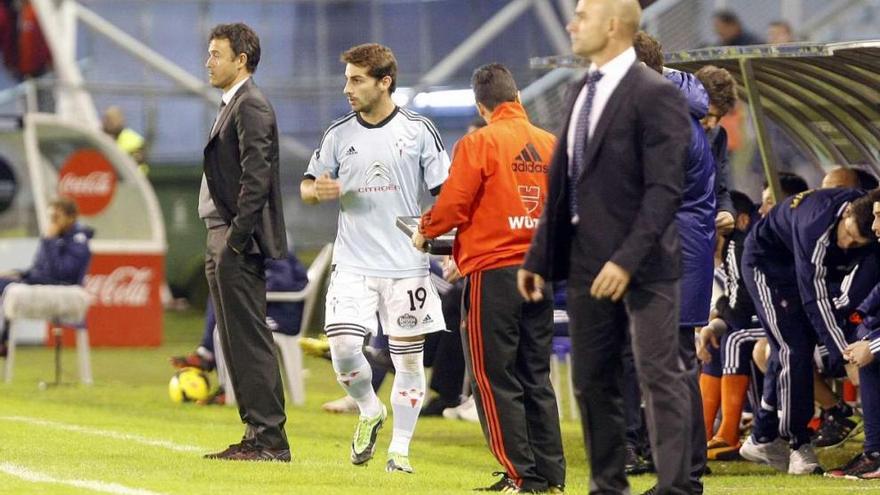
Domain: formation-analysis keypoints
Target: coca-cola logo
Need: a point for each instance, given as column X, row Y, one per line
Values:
column 89, row 180
column 124, row 286
column 94, row 184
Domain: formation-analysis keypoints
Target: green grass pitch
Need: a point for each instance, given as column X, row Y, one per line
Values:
column 123, row 435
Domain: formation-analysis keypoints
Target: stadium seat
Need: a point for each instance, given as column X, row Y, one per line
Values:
column 59, row 305
column 288, row 345
column 562, row 354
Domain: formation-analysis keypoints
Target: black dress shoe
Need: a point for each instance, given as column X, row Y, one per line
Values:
column 256, row 453
column 232, row 449
column 247, row 450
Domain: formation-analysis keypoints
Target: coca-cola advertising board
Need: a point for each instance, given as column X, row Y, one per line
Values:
column 127, row 270
column 89, row 180
column 126, row 306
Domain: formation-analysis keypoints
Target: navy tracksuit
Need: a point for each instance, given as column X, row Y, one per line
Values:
column 737, row 310
column 62, row 260
column 869, row 376
column 735, row 307
column 794, row 272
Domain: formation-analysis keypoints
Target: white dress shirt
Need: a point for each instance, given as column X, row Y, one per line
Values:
column 612, row 72
column 227, row 97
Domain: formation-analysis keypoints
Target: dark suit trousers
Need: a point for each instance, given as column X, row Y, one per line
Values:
column 508, row 344
column 237, row 283
column 632, row 404
column 649, row 312
column 688, row 353
column 636, row 433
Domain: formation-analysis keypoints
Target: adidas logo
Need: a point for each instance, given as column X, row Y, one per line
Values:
column 529, row 160
column 427, row 320
column 351, row 151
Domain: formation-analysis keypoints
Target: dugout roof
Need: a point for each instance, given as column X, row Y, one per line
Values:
column 824, row 96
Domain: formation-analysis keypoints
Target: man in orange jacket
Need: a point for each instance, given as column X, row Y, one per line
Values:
column 494, row 196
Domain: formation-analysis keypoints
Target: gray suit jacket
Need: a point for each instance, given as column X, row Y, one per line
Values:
column 242, row 171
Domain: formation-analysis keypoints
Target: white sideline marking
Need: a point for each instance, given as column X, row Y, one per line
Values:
column 98, row 486
column 104, row 433
column 865, row 486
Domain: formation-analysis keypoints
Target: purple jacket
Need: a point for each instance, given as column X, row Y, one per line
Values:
column 61, row 260
column 696, row 216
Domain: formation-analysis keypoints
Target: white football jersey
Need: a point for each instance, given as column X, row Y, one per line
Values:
column 382, row 169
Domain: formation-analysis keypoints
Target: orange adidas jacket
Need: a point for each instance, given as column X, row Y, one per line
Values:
column 495, row 191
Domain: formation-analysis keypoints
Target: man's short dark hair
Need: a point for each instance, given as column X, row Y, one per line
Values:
column 790, row 184
column 493, row 85
column 477, row 122
column 66, row 206
column 242, row 39
column 720, row 86
column 866, row 179
column 378, row 59
column 742, row 204
column 727, row 17
column 649, row 51
column 862, row 210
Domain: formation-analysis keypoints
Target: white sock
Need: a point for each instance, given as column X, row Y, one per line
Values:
column 204, row 353
column 408, row 392
column 353, row 373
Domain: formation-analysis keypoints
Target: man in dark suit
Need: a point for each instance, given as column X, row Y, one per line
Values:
column 240, row 202
column 609, row 228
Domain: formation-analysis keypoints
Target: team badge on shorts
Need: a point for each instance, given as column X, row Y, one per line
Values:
column 407, row 321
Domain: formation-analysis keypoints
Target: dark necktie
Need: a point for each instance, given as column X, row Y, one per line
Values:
column 581, row 131
column 217, row 118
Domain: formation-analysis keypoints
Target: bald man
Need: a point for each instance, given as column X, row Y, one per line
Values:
column 609, row 228
column 840, row 177
column 851, row 178
column 129, row 141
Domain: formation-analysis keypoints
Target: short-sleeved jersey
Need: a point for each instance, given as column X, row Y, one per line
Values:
column 382, row 168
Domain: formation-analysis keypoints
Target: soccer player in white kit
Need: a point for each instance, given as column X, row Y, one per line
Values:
column 376, row 160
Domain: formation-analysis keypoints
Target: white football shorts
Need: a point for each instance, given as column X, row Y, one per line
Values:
column 406, row 307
